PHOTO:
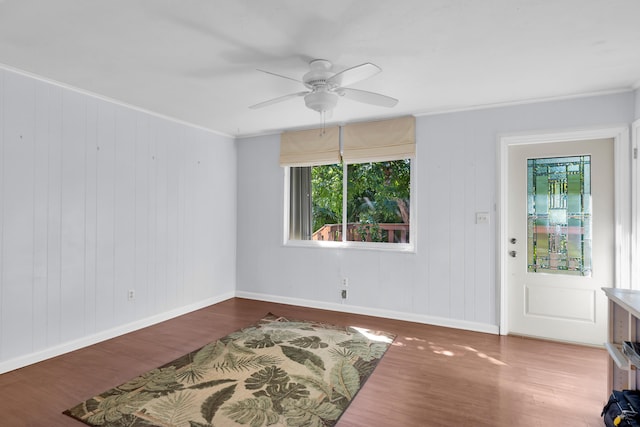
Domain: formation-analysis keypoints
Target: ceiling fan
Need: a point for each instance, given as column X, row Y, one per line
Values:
column 324, row 87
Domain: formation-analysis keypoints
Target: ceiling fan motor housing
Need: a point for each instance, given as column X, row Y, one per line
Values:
column 318, row 75
column 321, row 98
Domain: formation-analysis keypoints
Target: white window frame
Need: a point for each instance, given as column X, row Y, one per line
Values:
column 410, row 247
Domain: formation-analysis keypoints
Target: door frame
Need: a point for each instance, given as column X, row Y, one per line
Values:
column 622, row 194
column 635, row 208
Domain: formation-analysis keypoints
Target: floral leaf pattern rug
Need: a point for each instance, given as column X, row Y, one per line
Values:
column 277, row 372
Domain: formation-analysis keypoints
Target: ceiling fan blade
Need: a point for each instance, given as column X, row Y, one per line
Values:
column 279, row 99
column 354, row 74
column 367, row 97
column 280, row 75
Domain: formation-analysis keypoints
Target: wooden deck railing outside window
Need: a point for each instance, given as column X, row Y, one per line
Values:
column 391, row 233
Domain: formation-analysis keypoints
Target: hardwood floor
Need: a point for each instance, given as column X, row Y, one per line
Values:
column 431, row 376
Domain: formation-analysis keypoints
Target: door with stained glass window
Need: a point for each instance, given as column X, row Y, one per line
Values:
column 561, row 231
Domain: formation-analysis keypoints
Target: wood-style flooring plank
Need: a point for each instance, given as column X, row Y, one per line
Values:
column 431, row 376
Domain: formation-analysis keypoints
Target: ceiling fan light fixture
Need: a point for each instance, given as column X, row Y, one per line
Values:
column 321, row 101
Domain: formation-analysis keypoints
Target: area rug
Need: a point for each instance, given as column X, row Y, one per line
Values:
column 278, row 372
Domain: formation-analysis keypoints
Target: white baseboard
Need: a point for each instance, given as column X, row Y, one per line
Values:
column 389, row 314
column 69, row 346
column 79, row 343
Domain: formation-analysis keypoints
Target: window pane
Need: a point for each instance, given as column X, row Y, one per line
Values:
column 559, row 215
column 326, row 202
column 378, row 200
column 300, row 203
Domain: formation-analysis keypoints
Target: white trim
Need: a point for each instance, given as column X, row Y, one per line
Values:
column 369, row 246
column 344, row 227
column 622, row 175
column 79, row 343
column 413, row 206
column 388, row 314
column 110, row 100
column 286, row 216
column 7, row 67
column 508, row 104
column 466, row 108
column 635, row 209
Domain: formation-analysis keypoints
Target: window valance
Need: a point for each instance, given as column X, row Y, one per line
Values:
column 310, row 147
column 393, row 139
column 382, row 140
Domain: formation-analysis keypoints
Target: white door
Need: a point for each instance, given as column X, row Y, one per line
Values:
column 560, row 249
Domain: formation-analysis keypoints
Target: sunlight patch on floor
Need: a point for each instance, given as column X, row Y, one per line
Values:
column 371, row 336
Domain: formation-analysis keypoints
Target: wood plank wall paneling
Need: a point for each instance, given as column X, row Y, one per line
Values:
column 18, row 173
column 97, row 199
column 72, row 224
column 105, row 217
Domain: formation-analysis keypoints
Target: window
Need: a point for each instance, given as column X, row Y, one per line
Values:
column 378, row 201
column 364, row 198
column 377, row 204
column 315, row 210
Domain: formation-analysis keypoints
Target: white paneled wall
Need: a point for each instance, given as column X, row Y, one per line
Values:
column 451, row 278
column 97, row 199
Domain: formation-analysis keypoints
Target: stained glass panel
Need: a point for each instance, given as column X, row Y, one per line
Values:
column 559, row 215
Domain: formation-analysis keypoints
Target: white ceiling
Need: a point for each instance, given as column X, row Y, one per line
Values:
column 197, row 60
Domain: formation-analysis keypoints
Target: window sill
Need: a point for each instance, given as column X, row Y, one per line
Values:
column 372, row 246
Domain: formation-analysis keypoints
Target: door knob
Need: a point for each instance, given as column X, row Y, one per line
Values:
column 513, row 240
column 512, row 254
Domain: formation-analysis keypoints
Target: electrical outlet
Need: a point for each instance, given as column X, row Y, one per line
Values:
column 343, row 294
column 131, row 295
column 482, row 217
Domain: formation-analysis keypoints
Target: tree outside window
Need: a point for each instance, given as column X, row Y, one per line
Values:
column 377, row 201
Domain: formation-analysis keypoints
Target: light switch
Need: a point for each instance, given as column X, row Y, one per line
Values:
column 482, row 217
